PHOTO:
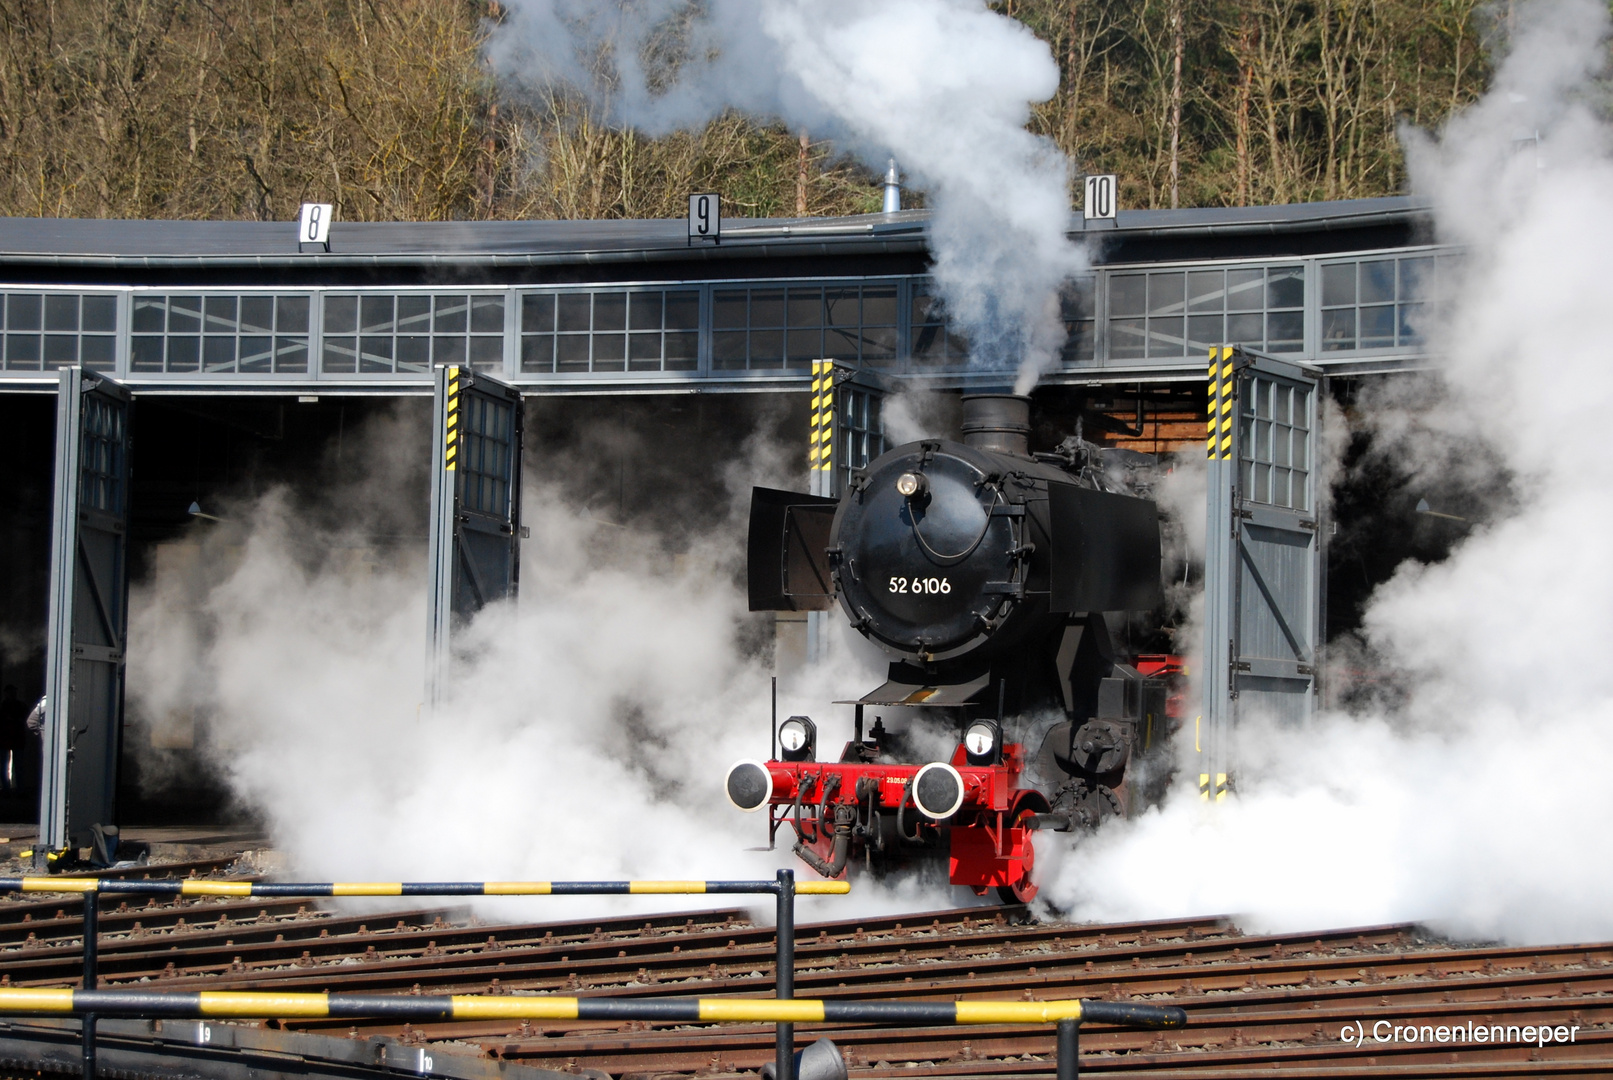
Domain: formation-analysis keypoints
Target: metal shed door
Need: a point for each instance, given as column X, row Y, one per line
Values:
column 88, row 623
column 475, row 551
column 1263, row 566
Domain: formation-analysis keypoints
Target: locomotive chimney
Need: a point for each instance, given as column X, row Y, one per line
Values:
column 998, row 422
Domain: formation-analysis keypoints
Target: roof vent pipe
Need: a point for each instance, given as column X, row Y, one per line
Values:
column 893, row 189
column 997, row 422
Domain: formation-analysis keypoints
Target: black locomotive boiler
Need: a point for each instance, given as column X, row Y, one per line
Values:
column 985, row 573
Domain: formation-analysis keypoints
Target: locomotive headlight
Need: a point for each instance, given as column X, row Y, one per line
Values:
column 910, row 485
column 749, row 785
column 937, row 790
column 798, row 739
column 980, row 741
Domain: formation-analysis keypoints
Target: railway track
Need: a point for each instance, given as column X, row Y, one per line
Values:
column 1257, row 1003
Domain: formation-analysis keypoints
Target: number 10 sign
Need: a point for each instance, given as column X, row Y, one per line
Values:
column 1101, row 197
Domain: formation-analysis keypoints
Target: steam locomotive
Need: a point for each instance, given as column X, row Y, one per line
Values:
column 984, row 572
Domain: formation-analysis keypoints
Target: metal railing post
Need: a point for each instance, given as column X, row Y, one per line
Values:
column 1069, row 1049
column 784, row 975
column 92, row 934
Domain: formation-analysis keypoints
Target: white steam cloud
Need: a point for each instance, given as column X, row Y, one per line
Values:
column 1481, row 803
column 944, row 86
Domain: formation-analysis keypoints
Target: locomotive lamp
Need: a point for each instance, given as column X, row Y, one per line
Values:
column 911, row 485
column 982, row 742
column 749, row 785
column 798, row 739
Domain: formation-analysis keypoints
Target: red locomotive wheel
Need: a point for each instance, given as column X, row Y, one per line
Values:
column 1024, row 890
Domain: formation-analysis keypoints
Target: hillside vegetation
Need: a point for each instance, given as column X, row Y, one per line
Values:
column 246, row 108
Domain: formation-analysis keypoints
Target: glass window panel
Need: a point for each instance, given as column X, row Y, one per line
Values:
column 452, row 314
column 291, row 354
column 1285, row 287
column 486, row 350
column 292, row 314
column 1261, row 393
column 766, row 308
column 842, row 308
column 728, row 308
column 1165, row 293
column 413, row 352
column 1076, row 300
column 728, row 349
column 340, row 355
column 1128, row 294
column 644, row 312
column 1285, row 331
column 100, row 313
column 571, row 352
column 61, row 350
column 1411, row 319
column 145, row 353
column 1281, row 398
column 487, row 314
column 805, row 345
column 574, row 311
column 1203, row 331
column 1416, row 278
column 610, row 312
column 23, row 313
column 1079, row 345
column 184, row 314
column 683, row 311
column 375, row 316
column 929, row 343
column 341, row 314
column 838, row 344
column 184, row 353
column 257, row 353
column 257, row 314
column 61, row 313
column 610, row 350
column 879, row 344
column 1246, row 290
column 682, row 351
column 879, row 305
column 95, row 352
column 1206, row 290
column 1302, row 408
column 1127, row 338
column 1280, row 437
column 1378, row 281
column 1338, row 330
column 1338, row 284
column 766, row 348
column 220, row 315
column 449, row 349
column 1378, row 327
column 375, row 353
column 1279, row 486
column 806, row 307
column 537, row 352
column 1301, row 491
column 21, row 352
column 1246, row 330
column 414, row 314
column 926, row 308
column 1165, row 337
column 644, row 349
column 218, row 353
column 537, row 313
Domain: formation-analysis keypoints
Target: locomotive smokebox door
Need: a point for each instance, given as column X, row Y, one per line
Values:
column 787, row 568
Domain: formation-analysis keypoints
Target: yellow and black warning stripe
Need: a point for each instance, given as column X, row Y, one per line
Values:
column 820, row 433
column 194, row 887
column 1218, row 441
column 427, row 1007
column 451, row 421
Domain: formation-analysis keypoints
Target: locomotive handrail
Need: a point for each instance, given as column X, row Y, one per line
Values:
column 1068, row 1015
column 784, row 887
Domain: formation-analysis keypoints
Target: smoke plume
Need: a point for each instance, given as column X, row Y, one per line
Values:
column 1479, row 802
column 944, row 86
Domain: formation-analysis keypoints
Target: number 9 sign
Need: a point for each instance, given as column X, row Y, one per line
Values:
column 705, row 218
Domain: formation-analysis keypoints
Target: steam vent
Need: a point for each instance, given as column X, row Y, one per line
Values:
column 545, row 582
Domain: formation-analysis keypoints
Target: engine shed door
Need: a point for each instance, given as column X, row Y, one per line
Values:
column 88, row 621
column 475, row 551
column 1263, row 575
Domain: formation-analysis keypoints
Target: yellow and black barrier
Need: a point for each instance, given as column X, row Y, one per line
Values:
column 424, row 1008
column 201, row 887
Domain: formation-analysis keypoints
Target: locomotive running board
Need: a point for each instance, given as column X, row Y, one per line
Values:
column 900, row 693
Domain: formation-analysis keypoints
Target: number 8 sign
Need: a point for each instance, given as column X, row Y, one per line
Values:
column 313, row 225
column 1101, row 197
